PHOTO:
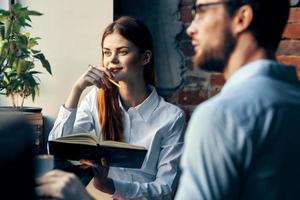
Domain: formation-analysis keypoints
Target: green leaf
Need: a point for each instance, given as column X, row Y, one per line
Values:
column 27, row 18
column 28, row 65
column 33, row 94
column 32, row 42
column 17, row 27
column 44, row 62
column 26, row 24
column 35, row 13
column 4, row 12
column 22, row 40
column 35, row 51
column 20, row 66
column 16, row 6
column 34, row 72
column 31, row 81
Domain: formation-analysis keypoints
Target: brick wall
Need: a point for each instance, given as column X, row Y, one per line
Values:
column 199, row 85
column 289, row 48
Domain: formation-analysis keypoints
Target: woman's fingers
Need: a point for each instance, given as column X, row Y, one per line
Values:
column 96, row 80
column 100, row 69
column 100, row 74
column 90, row 80
column 100, row 169
column 87, row 162
column 103, row 162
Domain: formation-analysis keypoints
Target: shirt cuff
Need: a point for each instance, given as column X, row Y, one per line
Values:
column 67, row 117
column 121, row 189
column 65, row 113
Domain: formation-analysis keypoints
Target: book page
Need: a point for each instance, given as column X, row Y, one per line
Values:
column 80, row 138
column 91, row 139
column 112, row 143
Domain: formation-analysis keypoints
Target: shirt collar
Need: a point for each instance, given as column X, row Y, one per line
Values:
column 147, row 107
column 261, row 67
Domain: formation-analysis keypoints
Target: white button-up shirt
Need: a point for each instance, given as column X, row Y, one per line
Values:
column 244, row 143
column 155, row 124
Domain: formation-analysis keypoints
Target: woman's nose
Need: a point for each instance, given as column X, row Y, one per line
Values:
column 114, row 58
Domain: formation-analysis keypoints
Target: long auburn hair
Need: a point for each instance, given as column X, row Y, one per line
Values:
column 110, row 116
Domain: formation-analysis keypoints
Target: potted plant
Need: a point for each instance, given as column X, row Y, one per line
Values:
column 18, row 56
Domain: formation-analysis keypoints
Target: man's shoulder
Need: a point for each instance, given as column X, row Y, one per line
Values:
column 250, row 99
column 210, row 109
column 237, row 105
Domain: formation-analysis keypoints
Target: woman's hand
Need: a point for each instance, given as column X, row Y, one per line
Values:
column 97, row 76
column 100, row 169
column 94, row 76
column 61, row 185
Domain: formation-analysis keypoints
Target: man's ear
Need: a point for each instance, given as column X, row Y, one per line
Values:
column 242, row 19
column 146, row 57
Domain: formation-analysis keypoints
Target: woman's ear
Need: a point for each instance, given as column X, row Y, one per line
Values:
column 146, row 57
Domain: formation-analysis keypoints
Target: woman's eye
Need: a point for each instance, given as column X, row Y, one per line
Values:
column 123, row 53
column 107, row 53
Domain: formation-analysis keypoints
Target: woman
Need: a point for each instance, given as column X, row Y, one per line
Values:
column 131, row 112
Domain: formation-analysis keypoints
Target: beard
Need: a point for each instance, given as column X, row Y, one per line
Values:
column 215, row 59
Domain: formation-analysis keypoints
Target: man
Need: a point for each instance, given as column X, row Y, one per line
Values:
column 244, row 143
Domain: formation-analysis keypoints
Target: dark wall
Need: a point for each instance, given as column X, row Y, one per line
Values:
column 162, row 17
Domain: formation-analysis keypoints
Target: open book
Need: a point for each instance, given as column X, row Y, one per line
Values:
column 87, row 146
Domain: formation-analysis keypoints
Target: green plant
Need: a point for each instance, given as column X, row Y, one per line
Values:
column 18, row 79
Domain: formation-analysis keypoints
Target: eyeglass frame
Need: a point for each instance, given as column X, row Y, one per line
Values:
column 196, row 7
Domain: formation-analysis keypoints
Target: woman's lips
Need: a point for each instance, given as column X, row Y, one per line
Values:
column 115, row 69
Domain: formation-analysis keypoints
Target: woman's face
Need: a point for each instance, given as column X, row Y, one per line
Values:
column 122, row 58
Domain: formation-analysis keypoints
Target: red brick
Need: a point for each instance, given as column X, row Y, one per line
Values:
column 187, row 2
column 289, row 47
column 191, row 80
column 185, row 13
column 293, row 60
column 294, row 15
column 217, row 80
column 292, row 31
column 216, row 90
column 192, row 97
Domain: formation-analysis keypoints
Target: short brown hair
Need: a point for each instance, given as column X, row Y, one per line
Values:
column 269, row 20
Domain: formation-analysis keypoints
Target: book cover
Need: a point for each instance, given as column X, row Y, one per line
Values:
column 86, row 146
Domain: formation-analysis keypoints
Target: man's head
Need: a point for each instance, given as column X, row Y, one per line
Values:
column 219, row 24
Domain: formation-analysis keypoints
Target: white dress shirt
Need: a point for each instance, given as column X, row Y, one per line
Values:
column 155, row 124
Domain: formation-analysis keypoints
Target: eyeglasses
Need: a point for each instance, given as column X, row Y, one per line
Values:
column 197, row 7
